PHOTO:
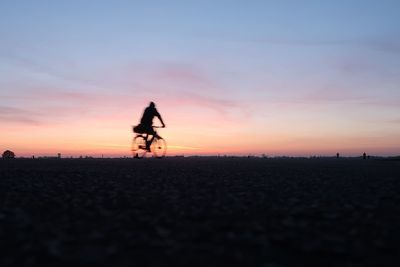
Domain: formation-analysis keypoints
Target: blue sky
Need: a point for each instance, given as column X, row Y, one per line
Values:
column 286, row 77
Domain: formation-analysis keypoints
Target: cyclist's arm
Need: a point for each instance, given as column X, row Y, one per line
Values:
column 161, row 120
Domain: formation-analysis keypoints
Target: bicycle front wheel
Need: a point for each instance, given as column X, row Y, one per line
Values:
column 159, row 147
column 139, row 146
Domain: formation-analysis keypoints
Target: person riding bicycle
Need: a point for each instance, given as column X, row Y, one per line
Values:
column 146, row 123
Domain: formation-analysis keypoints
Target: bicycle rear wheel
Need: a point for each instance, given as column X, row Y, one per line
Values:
column 159, row 147
column 139, row 146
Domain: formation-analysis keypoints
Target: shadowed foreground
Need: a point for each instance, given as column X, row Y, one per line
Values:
column 199, row 212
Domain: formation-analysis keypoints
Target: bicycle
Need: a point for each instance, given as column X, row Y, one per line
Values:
column 158, row 146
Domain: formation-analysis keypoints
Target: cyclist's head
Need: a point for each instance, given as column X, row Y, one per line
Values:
column 152, row 105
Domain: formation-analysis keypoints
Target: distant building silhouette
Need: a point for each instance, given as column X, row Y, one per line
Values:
column 8, row 154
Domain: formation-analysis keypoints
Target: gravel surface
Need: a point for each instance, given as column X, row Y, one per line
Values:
column 199, row 212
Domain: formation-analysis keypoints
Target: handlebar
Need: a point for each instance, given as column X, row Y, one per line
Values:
column 158, row 127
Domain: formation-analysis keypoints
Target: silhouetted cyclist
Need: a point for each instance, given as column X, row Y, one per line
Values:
column 146, row 123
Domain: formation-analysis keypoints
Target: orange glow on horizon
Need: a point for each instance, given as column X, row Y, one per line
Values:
column 112, row 144
column 194, row 129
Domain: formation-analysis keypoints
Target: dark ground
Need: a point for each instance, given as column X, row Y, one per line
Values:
column 199, row 212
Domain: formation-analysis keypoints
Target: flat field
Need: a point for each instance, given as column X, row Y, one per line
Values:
column 199, row 212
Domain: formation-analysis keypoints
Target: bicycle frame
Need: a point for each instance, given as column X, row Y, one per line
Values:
column 150, row 143
column 146, row 135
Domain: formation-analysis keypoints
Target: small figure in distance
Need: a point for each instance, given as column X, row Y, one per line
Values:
column 364, row 156
column 146, row 123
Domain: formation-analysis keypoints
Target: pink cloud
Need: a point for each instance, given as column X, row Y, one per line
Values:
column 331, row 94
column 18, row 115
column 394, row 121
column 55, row 105
column 182, row 75
column 326, row 96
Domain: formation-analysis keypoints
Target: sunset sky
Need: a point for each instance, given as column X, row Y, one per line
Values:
column 277, row 77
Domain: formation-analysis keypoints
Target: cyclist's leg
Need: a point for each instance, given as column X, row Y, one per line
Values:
column 151, row 140
column 148, row 142
column 148, row 129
